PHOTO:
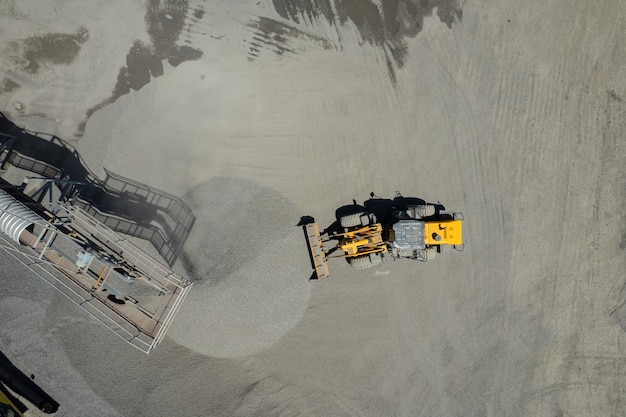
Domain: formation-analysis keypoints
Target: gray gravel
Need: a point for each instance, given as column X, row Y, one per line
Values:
column 515, row 115
column 249, row 262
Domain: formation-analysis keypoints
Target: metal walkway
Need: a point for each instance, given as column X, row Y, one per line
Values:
column 122, row 204
column 98, row 269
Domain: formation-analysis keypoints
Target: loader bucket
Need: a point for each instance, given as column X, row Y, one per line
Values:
column 316, row 250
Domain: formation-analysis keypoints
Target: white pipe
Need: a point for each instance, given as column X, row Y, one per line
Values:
column 15, row 217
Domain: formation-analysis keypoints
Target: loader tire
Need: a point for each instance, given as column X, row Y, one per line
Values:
column 425, row 210
column 351, row 220
column 365, row 261
column 430, row 253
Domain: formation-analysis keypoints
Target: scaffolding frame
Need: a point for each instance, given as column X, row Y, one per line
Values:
column 52, row 250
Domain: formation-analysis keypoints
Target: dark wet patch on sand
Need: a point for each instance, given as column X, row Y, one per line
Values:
column 386, row 26
column 52, row 48
column 198, row 13
column 165, row 20
column 275, row 36
column 7, row 85
column 141, row 65
column 620, row 309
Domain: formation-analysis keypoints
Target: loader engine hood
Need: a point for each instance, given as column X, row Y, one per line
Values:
column 447, row 232
column 409, row 235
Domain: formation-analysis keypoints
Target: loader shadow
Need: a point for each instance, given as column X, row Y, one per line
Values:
column 386, row 210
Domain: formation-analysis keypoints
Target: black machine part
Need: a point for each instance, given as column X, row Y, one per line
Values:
column 24, row 386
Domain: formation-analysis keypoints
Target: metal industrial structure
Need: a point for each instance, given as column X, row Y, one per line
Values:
column 84, row 242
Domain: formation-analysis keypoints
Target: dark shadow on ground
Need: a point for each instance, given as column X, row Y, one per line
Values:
column 385, row 209
column 122, row 204
column 165, row 21
column 19, row 383
column 386, row 25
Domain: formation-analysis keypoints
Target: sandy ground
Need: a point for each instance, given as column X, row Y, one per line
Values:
column 510, row 112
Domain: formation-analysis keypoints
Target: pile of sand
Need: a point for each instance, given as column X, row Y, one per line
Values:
column 250, row 265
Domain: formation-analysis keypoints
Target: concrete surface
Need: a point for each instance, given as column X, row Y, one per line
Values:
column 510, row 112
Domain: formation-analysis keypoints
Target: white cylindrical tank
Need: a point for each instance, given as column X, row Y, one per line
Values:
column 15, row 217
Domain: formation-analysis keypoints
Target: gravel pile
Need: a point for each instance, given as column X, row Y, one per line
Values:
column 250, row 266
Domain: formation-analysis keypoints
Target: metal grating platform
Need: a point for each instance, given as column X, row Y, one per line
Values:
column 101, row 271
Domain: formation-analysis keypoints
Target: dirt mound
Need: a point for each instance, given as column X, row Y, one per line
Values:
column 250, row 266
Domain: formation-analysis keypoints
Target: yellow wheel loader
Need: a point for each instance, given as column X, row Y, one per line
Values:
column 415, row 232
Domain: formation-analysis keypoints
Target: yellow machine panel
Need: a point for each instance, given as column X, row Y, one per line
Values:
column 7, row 408
column 448, row 232
column 362, row 241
